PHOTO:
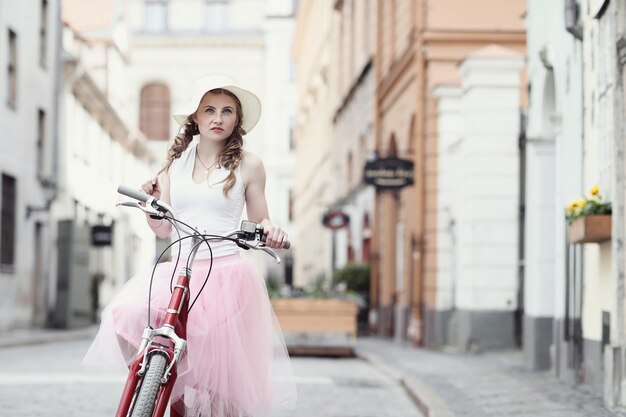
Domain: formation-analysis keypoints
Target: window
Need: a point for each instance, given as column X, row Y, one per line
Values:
column 12, row 70
column 41, row 136
column 43, row 33
column 216, row 18
column 290, row 206
column 7, row 223
column 292, row 70
column 292, row 128
column 155, row 111
column 349, row 169
column 155, row 16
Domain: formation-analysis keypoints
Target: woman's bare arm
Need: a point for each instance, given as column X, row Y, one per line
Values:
column 253, row 173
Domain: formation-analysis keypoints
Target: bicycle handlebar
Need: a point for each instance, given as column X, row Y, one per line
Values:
column 159, row 208
column 148, row 199
column 132, row 193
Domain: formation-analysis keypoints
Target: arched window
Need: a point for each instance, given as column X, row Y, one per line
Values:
column 154, row 114
column 393, row 147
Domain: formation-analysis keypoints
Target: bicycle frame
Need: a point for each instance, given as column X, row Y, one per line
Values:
column 174, row 329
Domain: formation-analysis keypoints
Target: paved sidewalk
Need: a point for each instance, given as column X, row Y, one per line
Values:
column 37, row 336
column 482, row 385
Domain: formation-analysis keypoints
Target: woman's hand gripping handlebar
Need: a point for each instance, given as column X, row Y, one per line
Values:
column 154, row 207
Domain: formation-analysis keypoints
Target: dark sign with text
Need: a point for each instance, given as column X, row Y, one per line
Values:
column 388, row 173
column 101, row 235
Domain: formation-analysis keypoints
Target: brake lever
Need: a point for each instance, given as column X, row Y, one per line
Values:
column 146, row 209
column 244, row 244
column 271, row 253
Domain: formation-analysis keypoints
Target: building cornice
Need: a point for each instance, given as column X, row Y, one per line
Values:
column 442, row 37
column 248, row 40
column 398, row 69
column 355, row 85
column 452, row 36
column 86, row 91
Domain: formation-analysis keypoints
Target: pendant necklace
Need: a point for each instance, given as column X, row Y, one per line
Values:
column 208, row 169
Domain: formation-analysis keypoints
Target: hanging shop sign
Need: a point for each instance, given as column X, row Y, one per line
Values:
column 335, row 219
column 101, row 235
column 389, row 173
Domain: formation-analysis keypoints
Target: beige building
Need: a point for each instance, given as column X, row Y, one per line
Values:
column 315, row 178
column 392, row 71
column 353, row 125
column 420, row 46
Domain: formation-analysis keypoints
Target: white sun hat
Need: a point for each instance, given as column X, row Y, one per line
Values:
column 250, row 103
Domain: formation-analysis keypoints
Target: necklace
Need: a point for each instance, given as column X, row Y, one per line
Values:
column 204, row 165
column 208, row 169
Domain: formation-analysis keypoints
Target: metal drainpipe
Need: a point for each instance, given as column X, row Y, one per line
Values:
column 58, row 91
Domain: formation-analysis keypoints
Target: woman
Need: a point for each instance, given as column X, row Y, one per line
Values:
column 236, row 363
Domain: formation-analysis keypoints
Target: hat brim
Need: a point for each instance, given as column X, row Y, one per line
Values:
column 250, row 106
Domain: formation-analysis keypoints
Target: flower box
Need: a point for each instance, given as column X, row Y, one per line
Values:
column 317, row 325
column 592, row 228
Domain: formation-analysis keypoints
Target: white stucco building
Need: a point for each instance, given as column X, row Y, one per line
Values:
column 92, row 107
column 98, row 151
column 554, row 173
column 478, row 201
column 28, row 120
column 574, row 293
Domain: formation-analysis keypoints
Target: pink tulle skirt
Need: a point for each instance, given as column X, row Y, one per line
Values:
column 236, row 362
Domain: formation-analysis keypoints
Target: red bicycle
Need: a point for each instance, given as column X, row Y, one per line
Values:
column 153, row 372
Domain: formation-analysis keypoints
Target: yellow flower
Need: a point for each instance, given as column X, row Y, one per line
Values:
column 581, row 202
column 571, row 206
column 595, row 190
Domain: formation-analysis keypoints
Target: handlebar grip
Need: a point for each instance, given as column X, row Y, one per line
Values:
column 286, row 245
column 133, row 193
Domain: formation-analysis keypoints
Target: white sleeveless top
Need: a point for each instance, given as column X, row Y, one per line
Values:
column 203, row 205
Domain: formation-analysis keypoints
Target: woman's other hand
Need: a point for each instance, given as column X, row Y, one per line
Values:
column 275, row 236
column 151, row 187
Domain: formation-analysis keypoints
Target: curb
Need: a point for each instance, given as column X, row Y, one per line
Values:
column 40, row 336
column 427, row 401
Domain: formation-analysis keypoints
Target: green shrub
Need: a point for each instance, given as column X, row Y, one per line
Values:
column 318, row 288
column 356, row 276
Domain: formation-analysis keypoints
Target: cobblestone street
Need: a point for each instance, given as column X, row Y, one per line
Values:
column 45, row 380
column 482, row 385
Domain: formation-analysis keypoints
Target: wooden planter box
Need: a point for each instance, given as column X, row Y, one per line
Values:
column 595, row 228
column 317, row 326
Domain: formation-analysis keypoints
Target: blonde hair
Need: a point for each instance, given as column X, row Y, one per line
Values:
column 230, row 157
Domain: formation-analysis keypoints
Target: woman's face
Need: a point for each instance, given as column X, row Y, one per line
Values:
column 216, row 116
